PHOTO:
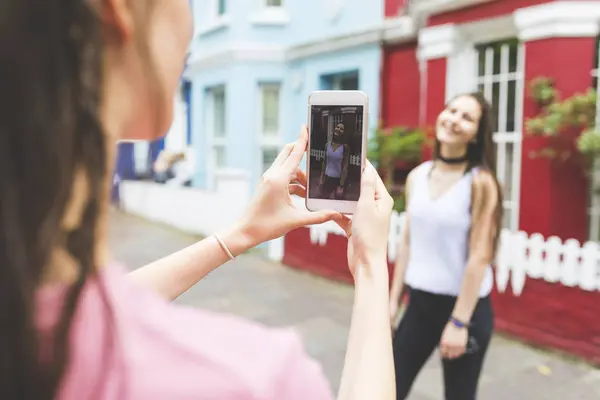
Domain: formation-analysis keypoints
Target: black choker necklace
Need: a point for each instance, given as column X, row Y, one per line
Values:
column 453, row 160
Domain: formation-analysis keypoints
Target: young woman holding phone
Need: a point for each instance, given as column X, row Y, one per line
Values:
column 449, row 241
column 78, row 76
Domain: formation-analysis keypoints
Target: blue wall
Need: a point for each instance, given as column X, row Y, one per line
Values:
column 227, row 51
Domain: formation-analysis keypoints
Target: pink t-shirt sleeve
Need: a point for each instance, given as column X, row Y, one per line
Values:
column 302, row 377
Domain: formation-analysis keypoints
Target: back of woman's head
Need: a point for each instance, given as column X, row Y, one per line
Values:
column 55, row 58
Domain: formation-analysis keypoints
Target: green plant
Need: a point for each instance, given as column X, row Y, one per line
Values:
column 390, row 145
column 558, row 116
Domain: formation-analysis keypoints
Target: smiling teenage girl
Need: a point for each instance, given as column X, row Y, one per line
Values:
column 449, row 240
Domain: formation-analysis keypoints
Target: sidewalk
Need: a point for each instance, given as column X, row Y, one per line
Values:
column 258, row 289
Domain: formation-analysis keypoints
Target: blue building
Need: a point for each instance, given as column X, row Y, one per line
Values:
column 253, row 64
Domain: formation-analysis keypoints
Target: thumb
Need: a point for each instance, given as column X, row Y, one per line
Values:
column 319, row 217
column 368, row 183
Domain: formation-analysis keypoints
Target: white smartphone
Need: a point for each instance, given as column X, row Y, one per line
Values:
column 337, row 145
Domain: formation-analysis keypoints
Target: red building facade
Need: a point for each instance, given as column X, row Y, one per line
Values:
column 433, row 52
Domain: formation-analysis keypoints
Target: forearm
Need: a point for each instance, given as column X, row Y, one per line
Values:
column 369, row 366
column 469, row 293
column 171, row 276
column 344, row 175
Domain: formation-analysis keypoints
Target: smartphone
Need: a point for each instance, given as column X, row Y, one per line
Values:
column 337, row 143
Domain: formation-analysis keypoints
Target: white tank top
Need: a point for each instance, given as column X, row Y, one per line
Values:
column 335, row 157
column 439, row 236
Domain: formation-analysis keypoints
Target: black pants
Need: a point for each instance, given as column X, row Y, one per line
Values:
column 329, row 187
column 420, row 332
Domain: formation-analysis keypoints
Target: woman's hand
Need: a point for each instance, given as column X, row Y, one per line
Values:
column 369, row 228
column 454, row 341
column 339, row 192
column 272, row 213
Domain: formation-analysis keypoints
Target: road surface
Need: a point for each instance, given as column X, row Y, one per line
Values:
column 273, row 294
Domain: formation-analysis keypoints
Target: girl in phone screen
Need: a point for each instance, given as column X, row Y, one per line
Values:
column 334, row 170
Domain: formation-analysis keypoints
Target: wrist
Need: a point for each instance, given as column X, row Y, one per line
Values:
column 458, row 323
column 239, row 239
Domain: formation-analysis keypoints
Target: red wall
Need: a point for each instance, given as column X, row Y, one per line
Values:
column 489, row 9
column 393, row 7
column 554, row 194
column 400, row 86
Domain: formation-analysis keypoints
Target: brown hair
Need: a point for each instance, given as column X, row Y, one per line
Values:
column 482, row 152
column 50, row 130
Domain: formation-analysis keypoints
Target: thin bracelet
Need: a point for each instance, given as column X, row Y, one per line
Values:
column 224, row 246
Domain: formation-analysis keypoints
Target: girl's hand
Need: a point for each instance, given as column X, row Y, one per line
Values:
column 272, row 213
column 369, row 228
column 454, row 341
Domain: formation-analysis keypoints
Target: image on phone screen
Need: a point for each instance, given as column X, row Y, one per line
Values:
column 335, row 152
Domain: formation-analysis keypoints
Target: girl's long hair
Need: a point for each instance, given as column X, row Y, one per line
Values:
column 51, row 67
column 482, row 153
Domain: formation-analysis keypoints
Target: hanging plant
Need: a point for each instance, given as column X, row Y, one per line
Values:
column 558, row 116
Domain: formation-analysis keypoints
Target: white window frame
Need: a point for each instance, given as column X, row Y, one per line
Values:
column 502, row 137
column 271, row 140
column 215, row 142
column 594, row 198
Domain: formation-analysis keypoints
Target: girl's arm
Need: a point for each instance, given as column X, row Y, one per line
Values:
column 174, row 274
column 345, row 163
column 482, row 243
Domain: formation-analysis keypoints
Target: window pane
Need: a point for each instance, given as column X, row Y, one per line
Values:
column 506, row 217
column 219, row 156
column 219, row 113
column 508, row 168
column 496, row 103
column 511, row 109
column 270, row 110
column 268, row 156
column 273, row 3
column 222, row 7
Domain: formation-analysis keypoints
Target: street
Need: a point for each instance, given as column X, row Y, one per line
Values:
column 256, row 288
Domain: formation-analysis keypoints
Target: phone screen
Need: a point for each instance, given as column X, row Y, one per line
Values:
column 335, row 152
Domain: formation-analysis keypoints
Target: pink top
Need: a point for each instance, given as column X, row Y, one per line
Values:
column 138, row 346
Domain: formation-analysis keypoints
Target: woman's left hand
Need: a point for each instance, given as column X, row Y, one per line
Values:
column 454, row 341
column 272, row 213
column 339, row 191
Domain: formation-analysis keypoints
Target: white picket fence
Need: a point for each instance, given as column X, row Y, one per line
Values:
column 320, row 155
column 520, row 256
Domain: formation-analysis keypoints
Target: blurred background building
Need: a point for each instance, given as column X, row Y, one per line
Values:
column 244, row 94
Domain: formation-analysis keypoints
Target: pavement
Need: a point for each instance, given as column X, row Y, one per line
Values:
column 258, row 289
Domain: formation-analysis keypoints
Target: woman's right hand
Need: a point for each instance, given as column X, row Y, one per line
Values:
column 370, row 225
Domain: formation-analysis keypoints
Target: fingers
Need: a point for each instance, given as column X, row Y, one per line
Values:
column 297, row 189
column 299, row 176
column 451, row 352
column 345, row 223
column 318, row 217
column 282, row 156
column 295, row 157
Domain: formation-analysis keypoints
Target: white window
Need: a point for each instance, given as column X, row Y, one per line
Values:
column 216, row 124
column 269, row 125
column 594, row 210
column 500, row 78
